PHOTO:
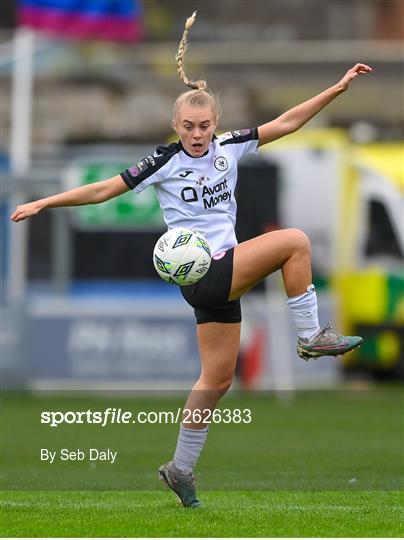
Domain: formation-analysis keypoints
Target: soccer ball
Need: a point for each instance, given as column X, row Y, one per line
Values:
column 181, row 256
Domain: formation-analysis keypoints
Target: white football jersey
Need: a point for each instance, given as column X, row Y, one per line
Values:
column 197, row 192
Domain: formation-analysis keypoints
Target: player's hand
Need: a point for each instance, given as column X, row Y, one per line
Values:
column 24, row 211
column 351, row 74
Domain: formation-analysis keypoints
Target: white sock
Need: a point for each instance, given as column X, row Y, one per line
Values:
column 304, row 310
column 189, row 446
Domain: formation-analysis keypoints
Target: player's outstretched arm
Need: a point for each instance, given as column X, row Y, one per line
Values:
column 90, row 194
column 295, row 118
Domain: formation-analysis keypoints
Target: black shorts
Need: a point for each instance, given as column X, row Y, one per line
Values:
column 209, row 296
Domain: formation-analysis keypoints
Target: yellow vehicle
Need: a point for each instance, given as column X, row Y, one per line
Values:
column 371, row 281
column 349, row 198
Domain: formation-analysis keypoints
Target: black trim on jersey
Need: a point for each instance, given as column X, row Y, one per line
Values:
column 149, row 165
column 196, row 157
column 241, row 136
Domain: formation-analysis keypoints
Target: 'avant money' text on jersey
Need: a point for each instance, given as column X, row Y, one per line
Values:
column 197, row 192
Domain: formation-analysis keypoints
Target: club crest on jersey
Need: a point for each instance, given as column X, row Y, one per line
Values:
column 221, row 164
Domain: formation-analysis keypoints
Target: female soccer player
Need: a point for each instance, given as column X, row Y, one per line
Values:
column 181, row 173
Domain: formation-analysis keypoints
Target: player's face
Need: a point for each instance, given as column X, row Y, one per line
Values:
column 195, row 127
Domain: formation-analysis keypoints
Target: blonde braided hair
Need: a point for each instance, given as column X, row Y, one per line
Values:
column 200, row 95
column 182, row 49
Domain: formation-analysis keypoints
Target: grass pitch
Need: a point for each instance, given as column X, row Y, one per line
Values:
column 225, row 513
column 327, row 464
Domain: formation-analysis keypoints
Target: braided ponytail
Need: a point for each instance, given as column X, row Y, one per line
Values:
column 182, row 49
column 200, row 95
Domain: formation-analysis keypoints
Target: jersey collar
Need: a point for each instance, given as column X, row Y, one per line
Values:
column 195, row 157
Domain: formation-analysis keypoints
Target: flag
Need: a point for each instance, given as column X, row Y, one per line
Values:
column 111, row 20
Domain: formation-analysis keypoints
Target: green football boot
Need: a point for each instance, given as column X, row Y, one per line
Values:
column 182, row 484
column 326, row 343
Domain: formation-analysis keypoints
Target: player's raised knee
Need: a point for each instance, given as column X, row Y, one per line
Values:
column 301, row 240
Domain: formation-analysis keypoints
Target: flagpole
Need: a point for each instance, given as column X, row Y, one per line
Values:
column 20, row 155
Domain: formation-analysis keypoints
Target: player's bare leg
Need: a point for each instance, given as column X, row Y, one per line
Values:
column 218, row 348
column 290, row 251
column 259, row 257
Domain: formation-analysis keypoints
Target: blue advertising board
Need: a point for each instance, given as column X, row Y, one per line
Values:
column 100, row 340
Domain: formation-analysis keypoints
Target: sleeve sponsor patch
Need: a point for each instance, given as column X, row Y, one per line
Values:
column 134, row 171
column 143, row 169
column 239, row 136
column 148, row 167
column 145, row 163
column 241, row 132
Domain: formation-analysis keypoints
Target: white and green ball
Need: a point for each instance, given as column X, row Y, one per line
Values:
column 181, row 256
